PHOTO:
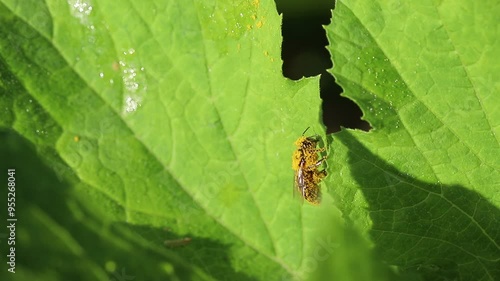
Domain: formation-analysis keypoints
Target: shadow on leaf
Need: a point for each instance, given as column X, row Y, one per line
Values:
column 60, row 238
column 442, row 232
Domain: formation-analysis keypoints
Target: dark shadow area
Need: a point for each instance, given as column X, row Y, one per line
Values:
column 339, row 112
column 60, row 239
column 196, row 252
column 304, row 54
column 441, row 232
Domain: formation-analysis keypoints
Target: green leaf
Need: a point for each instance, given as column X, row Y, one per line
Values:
column 124, row 120
column 134, row 124
column 423, row 183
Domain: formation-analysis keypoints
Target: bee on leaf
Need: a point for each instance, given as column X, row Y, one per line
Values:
column 305, row 163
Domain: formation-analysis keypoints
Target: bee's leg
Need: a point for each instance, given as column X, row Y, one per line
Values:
column 319, row 162
column 319, row 150
column 321, row 174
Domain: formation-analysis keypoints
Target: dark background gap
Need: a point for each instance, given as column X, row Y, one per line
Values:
column 304, row 54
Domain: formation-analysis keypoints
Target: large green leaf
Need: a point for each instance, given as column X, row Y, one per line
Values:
column 126, row 118
column 424, row 182
column 122, row 120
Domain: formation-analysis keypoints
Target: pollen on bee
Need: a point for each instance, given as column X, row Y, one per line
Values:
column 306, row 163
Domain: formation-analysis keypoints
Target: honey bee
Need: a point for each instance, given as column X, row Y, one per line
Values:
column 305, row 163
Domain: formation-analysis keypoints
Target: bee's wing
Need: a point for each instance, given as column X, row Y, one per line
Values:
column 299, row 184
column 297, row 192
